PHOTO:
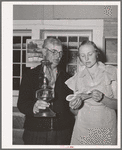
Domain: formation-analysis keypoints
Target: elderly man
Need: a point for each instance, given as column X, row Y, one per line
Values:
column 46, row 130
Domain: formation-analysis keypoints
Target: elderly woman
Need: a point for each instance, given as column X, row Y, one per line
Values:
column 95, row 97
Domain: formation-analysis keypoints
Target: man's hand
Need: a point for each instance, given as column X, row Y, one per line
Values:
column 97, row 95
column 40, row 104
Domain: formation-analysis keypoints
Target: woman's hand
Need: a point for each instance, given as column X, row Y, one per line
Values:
column 40, row 104
column 97, row 95
column 84, row 96
column 76, row 99
column 75, row 103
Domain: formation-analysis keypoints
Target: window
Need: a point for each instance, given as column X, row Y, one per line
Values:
column 19, row 57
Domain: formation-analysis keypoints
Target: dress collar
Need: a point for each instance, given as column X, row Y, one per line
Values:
column 83, row 70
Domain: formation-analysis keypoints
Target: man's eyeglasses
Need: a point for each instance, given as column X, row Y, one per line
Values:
column 55, row 52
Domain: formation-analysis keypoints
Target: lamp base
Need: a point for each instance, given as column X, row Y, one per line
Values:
column 45, row 113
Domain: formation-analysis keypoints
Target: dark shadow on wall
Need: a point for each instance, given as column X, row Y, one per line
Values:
column 63, row 62
column 101, row 56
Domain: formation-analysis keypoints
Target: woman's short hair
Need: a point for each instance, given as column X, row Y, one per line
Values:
column 100, row 55
column 87, row 42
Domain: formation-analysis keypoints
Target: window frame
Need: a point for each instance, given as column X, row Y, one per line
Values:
column 21, row 34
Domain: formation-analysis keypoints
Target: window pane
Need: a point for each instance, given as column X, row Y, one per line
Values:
column 73, row 42
column 72, row 69
column 24, row 41
column 73, row 39
column 17, row 42
column 72, row 45
column 16, row 83
column 51, row 37
column 65, row 48
column 24, row 69
column 23, row 56
column 81, row 39
column 16, row 69
column 62, row 38
column 72, row 57
column 16, row 56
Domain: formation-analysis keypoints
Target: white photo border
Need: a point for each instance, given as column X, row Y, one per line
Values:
column 6, row 103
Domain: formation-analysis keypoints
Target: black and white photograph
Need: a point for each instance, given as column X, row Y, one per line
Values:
column 61, row 75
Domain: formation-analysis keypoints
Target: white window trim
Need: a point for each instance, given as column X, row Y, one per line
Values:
column 36, row 25
column 64, row 33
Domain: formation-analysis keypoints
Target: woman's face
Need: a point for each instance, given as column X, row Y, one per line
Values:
column 88, row 55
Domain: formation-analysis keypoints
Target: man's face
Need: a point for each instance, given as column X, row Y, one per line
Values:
column 53, row 54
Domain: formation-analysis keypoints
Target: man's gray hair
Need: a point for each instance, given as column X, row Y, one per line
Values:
column 54, row 41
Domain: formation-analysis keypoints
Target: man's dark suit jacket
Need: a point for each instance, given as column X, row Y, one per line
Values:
column 30, row 83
